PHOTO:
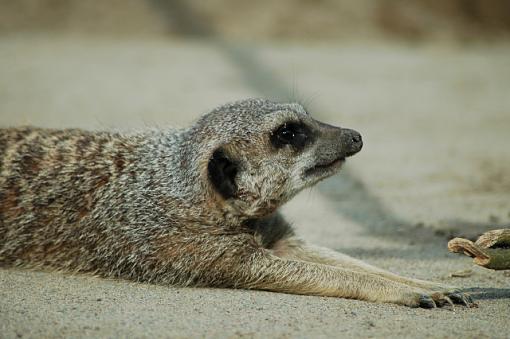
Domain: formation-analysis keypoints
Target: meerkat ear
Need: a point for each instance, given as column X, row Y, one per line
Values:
column 222, row 173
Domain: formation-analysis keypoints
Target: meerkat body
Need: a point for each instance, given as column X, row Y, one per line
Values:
column 196, row 206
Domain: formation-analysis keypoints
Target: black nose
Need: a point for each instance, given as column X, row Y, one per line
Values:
column 351, row 141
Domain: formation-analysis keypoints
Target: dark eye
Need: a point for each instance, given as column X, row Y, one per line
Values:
column 286, row 134
column 291, row 133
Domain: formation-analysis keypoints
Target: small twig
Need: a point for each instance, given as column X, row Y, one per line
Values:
column 459, row 245
column 491, row 250
column 491, row 238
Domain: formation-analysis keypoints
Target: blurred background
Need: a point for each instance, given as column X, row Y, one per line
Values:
column 299, row 20
column 425, row 81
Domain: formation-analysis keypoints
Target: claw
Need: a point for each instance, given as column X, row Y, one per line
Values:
column 449, row 302
column 469, row 299
column 442, row 300
column 458, row 298
column 461, row 298
column 426, row 302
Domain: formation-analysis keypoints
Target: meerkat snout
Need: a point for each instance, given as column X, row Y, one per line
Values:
column 351, row 141
column 333, row 145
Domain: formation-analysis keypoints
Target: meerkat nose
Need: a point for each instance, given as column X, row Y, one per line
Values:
column 353, row 141
column 356, row 138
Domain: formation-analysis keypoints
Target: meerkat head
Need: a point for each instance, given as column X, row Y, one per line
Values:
column 261, row 153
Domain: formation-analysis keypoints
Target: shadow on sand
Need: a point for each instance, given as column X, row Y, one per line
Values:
column 488, row 293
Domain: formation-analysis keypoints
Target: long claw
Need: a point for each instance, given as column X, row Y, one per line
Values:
column 469, row 299
column 427, row 302
column 459, row 298
column 462, row 298
column 449, row 302
column 442, row 300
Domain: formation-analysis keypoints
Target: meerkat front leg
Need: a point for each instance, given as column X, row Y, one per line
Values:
column 300, row 277
column 278, row 236
column 294, row 248
column 238, row 261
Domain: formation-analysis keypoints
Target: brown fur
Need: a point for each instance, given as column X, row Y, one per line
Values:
column 188, row 207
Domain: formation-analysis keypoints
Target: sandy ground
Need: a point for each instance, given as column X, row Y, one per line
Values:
column 436, row 163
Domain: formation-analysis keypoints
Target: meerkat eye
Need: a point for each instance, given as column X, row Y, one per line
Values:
column 286, row 134
column 290, row 133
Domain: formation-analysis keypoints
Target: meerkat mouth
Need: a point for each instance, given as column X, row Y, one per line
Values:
column 324, row 168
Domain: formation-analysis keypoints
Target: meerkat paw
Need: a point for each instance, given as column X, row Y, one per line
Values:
column 425, row 299
column 434, row 300
column 448, row 298
column 462, row 298
column 455, row 294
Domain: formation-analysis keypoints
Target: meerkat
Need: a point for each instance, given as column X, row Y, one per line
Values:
column 188, row 207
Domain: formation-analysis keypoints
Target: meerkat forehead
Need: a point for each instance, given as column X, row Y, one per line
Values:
column 257, row 111
column 247, row 118
column 260, row 106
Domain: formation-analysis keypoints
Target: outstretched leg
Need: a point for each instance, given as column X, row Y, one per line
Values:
column 238, row 261
column 294, row 248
